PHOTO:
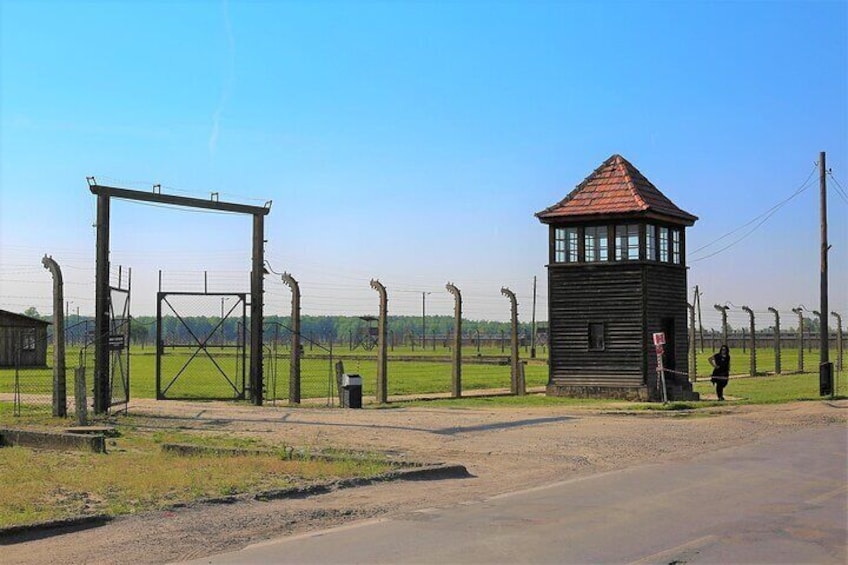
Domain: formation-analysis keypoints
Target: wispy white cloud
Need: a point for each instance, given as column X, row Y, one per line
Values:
column 229, row 78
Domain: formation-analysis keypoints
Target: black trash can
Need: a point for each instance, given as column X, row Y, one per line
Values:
column 825, row 379
column 351, row 391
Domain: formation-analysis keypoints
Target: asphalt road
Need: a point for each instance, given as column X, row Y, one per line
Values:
column 780, row 500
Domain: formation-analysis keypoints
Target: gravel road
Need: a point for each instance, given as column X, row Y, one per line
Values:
column 504, row 449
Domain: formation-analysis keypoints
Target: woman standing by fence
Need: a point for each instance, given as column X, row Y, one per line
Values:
column 721, row 370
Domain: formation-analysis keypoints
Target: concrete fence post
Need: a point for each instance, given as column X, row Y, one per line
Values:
column 382, row 364
column 60, row 394
column 800, row 312
column 723, row 310
column 456, row 369
column 516, row 382
column 776, row 339
column 753, row 340
column 294, row 365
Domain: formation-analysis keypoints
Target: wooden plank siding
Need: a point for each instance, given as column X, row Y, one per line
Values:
column 584, row 294
column 666, row 298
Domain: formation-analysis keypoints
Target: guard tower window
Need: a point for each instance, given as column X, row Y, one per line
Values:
column 675, row 247
column 596, row 336
column 565, row 245
column 595, row 240
column 627, row 242
column 664, row 245
column 651, row 242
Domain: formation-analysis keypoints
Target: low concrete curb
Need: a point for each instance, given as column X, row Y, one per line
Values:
column 424, row 472
column 53, row 440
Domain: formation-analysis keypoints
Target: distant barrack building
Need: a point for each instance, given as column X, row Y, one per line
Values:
column 23, row 340
column 616, row 275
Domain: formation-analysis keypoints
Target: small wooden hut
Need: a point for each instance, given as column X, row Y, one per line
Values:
column 616, row 275
column 24, row 336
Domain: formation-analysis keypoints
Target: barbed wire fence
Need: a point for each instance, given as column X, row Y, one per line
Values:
column 419, row 339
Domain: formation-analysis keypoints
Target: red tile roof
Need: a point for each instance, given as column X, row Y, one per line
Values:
column 614, row 188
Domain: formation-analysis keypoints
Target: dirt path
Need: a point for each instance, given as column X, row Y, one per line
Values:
column 503, row 449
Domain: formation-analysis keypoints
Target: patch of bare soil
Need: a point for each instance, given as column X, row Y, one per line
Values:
column 504, row 450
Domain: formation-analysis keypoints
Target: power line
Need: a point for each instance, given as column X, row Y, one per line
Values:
column 763, row 218
column 839, row 190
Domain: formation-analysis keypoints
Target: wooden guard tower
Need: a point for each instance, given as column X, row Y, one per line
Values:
column 616, row 275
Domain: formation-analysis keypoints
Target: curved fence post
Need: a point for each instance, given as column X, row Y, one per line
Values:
column 516, row 377
column 753, row 341
column 382, row 366
column 294, row 365
column 723, row 310
column 456, row 372
column 776, row 339
column 800, row 312
column 838, row 340
column 60, row 395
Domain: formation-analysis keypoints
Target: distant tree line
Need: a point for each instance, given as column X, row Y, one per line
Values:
column 323, row 329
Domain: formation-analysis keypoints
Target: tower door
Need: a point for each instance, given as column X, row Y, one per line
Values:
column 669, row 361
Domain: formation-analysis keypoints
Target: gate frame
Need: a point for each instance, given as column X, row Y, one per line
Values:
column 126, row 336
column 160, row 296
column 101, row 311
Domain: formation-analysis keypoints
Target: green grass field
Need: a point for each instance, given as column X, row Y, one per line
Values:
column 409, row 373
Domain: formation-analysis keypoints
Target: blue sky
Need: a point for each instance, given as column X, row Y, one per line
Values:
column 414, row 141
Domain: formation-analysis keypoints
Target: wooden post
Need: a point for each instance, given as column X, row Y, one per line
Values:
column 456, row 368
column 382, row 365
column 101, row 309
column 533, row 324
column 80, row 396
column 517, row 385
column 838, row 340
column 700, row 319
column 60, row 396
column 693, row 355
column 257, row 291
column 294, row 365
column 776, row 339
column 339, row 373
column 824, row 339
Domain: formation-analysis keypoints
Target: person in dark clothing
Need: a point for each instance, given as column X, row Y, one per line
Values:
column 721, row 370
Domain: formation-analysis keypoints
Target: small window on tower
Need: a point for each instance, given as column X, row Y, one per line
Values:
column 596, row 336
column 28, row 339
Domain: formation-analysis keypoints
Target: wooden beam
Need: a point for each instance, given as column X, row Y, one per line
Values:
column 172, row 200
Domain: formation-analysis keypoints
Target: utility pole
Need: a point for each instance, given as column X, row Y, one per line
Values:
column 533, row 324
column 825, row 368
column 700, row 319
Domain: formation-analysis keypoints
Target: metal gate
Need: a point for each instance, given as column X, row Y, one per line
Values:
column 119, row 347
column 200, row 354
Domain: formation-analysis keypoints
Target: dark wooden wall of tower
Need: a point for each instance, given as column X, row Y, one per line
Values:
column 665, row 297
column 633, row 299
column 610, row 294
